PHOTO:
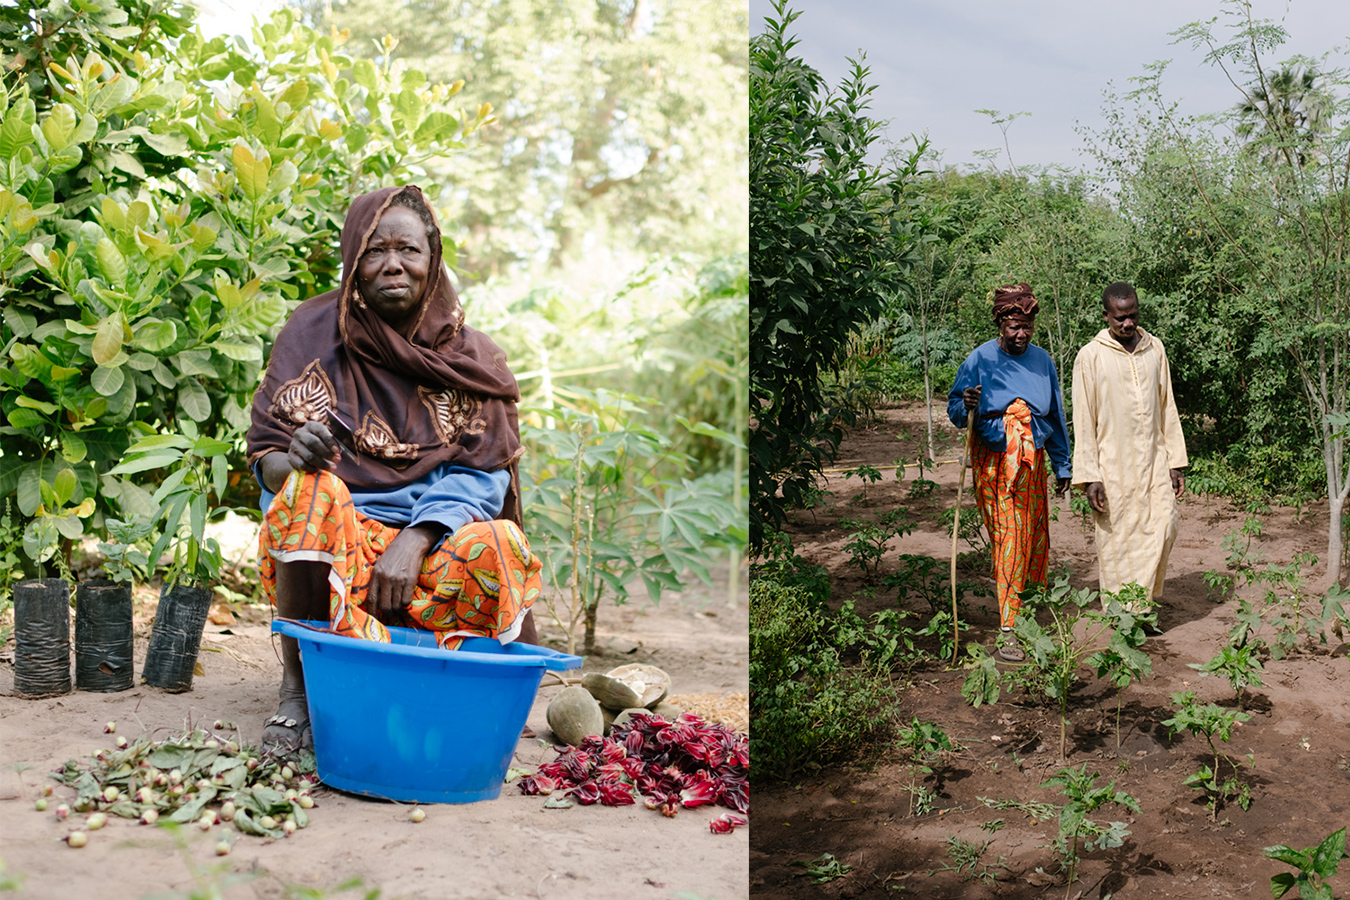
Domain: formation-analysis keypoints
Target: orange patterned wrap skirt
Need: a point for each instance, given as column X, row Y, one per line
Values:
column 479, row 581
column 1012, row 492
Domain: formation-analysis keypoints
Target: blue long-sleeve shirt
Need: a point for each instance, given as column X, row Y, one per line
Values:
column 1006, row 377
column 450, row 496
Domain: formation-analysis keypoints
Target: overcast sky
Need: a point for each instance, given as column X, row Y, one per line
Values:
column 936, row 61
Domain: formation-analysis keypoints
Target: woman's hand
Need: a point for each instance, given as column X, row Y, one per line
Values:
column 395, row 573
column 313, row 447
column 971, row 396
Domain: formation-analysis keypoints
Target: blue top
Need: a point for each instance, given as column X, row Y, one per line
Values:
column 1005, row 377
column 450, row 496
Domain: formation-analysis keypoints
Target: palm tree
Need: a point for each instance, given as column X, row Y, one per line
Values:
column 1285, row 112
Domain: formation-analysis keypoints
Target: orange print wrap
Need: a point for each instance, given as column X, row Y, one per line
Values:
column 1010, row 487
column 479, row 581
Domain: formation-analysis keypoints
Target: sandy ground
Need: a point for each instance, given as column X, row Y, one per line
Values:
column 508, row 847
column 1300, row 776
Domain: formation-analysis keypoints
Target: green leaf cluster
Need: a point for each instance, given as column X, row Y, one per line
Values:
column 165, row 200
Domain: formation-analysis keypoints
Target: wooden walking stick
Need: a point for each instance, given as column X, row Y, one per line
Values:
column 956, row 530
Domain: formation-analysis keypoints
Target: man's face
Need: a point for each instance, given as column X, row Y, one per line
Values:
column 1016, row 333
column 1122, row 318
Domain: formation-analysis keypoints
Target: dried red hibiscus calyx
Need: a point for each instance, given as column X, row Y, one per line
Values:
column 689, row 762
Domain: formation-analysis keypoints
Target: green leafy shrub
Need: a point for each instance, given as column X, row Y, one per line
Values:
column 609, row 502
column 164, row 201
column 806, row 707
column 1084, row 798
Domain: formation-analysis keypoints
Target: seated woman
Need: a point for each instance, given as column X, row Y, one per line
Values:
column 385, row 438
column 1013, row 389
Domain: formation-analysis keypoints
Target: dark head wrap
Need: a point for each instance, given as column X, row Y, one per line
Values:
column 1014, row 300
column 444, row 395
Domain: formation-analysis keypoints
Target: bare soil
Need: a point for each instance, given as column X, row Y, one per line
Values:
column 860, row 814
column 508, row 847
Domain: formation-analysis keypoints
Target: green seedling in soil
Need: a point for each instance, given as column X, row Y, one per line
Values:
column 1209, row 721
column 966, row 858
column 1315, row 866
column 1218, row 585
column 824, row 868
column 972, row 528
column 1239, row 546
column 1122, row 661
column 924, row 743
column 1239, row 665
column 867, row 544
column 1288, row 612
column 868, row 474
column 1076, row 635
column 1081, row 508
column 926, row 578
column 1085, row 798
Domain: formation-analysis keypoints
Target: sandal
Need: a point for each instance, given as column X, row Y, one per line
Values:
column 1009, row 650
column 285, row 735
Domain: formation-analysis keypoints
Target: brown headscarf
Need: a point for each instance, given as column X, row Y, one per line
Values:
column 1014, row 300
column 445, row 395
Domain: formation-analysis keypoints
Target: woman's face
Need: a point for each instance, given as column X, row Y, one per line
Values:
column 1014, row 334
column 392, row 272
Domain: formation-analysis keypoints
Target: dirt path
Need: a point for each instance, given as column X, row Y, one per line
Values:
column 1297, row 736
column 509, row 847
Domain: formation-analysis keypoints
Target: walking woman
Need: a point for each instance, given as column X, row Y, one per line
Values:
column 1013, row 389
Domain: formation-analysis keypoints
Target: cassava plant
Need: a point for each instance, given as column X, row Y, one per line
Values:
column 609, row 503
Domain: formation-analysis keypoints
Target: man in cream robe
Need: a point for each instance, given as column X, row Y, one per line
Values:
column 1129, row 450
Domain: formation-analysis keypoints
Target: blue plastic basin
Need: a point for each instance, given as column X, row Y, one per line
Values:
column 412, row 722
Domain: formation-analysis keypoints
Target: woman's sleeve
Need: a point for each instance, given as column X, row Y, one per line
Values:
column 966, row 377
column 462, row 496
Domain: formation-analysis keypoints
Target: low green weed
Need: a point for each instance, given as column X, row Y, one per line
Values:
column 1086, row 798
column 1209, row 721
column 967, row 859
column 806, row 707
column 868, row 474
column 823, row 869
column 1315, row 865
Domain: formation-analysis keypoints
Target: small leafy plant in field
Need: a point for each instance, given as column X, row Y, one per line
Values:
column 823, row 869
column 1219, row 586
column 1076, row 635
column 867, row 545
column 926, row 578
column 923, row 743
column 1086, row 798
column 1286, row 620
column 1315, row 866
column 1239, row 665
column 1210, row 720
column 868, row 474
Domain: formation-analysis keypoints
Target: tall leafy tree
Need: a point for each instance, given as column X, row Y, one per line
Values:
column 617, row 123
column 1276, row 223
column 831, row 237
